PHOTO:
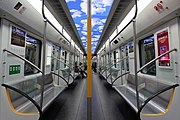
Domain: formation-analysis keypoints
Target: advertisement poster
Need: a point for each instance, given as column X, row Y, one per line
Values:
column 18, row 37
column 163, row 46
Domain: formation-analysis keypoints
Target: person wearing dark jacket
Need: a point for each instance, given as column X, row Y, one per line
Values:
column 81, row 70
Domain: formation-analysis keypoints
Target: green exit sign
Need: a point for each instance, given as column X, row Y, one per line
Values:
column 14, row 69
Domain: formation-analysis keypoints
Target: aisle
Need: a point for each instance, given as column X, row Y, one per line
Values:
column 114, row 107
column 107, row 104
column 65, row 107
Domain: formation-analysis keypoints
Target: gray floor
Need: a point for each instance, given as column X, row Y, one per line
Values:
column 107, row 104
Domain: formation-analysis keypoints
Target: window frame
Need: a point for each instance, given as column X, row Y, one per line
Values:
column 141, row 44
column 39, row 43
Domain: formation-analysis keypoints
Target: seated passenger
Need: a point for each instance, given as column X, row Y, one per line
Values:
column 76, row 69
column 81, row 70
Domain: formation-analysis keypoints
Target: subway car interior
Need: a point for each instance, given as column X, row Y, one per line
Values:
column 89, row 59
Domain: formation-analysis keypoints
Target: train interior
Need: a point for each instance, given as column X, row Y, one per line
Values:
column 135, row 64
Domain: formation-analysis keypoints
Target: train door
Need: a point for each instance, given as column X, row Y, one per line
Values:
column 53, row 59
column 67, row 69
column 55, row 64
column 107, row 63
column 1, row 65
column 65, row 58
column 78, row 59
column 62, row 65
column 124, row 62
column 62, row 58
column 103, row 61
column 116, row 66
column 71, row 62
column 75, row 57
column 99, row 63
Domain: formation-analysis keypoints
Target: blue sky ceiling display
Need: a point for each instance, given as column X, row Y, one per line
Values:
column 100, row 11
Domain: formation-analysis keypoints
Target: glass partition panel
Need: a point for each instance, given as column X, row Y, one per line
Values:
column 20, row 104
column 159, row 105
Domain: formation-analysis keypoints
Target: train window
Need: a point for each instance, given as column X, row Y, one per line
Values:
column 147, row 53
column 32, row 53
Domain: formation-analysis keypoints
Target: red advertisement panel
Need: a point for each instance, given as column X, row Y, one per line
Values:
column 163, row 46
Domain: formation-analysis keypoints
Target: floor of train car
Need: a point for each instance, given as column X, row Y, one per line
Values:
column 107, row 104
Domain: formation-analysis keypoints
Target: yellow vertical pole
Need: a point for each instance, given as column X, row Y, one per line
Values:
column 89, row 63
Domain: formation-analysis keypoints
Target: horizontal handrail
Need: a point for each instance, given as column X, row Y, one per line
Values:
column 153, row 60
column 106, row 67
column 153, row 96
column 64, row 59
column 113, row 64
column 122, row 59
column 116, row 59
column 60, row 77
column 119, row 77
column 111, row 73
column 104, row 70
column 71, row 76
column 59, row 60
column 22, row 58
column 27, row 96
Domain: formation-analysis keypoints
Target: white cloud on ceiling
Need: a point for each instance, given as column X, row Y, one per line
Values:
column 70, row 1
column 83, row 6
column 100, row 28
column 98, row 6
column 103, row 20
column 78, row 26
column 84, row 33
column 96, row 36
column 96, row 21
column 84, row 22
column 107, row 2
column 76, row 13
column 94, row 39
column 83, row 37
